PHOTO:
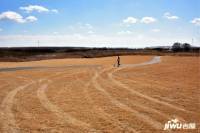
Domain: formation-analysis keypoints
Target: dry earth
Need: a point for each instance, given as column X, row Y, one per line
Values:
column 90, row 95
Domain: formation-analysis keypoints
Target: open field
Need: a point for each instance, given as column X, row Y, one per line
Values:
column 90, row 95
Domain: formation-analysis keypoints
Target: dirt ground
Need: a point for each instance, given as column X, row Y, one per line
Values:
column 91, row 95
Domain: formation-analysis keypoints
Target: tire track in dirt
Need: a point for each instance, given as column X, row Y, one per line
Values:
column 153, row 123
column 147, row 82
column 142, row 84
column 110, row 75
column 62, row 116
column 97, row 109
column 7, row 116
column 142, row 106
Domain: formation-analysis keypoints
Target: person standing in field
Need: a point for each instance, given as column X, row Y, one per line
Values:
column 118, row 61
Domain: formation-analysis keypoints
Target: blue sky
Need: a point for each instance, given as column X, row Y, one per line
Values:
column 99, row 23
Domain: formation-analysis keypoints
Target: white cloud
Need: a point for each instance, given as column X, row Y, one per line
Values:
column 196, row 21
column 1, row 29
column 37, row 8
column 81, row 28
column 9, row 15
column 32, row 8
column 148, row 20
column 89, row 26
column 155, row 30
column 130, row 20
column 54, row 11
column 124, row 32
column 167, row 15
column 31, row 19
column 90, row 32
column 16, row 17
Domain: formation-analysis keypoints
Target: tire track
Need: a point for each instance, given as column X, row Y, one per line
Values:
column 147, row 82
column 6, row 115
column 62, row 116
column 103, row 114
column 8, row 120
column 153, row 61
column 142, row 106
column 145, row 118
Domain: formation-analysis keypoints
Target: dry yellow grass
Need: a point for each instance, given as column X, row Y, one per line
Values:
column 90, row 95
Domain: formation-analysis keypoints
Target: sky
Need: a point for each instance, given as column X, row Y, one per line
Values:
column 99, row 23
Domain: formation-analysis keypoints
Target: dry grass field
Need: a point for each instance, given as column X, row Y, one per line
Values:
column 91, row 95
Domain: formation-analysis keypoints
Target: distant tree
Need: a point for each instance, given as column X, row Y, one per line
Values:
column 176, row 47
column 186, row 47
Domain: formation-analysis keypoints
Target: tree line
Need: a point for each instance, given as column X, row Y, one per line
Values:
column 181, row 47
